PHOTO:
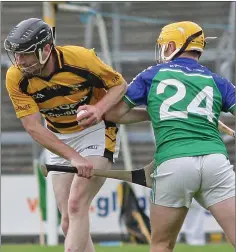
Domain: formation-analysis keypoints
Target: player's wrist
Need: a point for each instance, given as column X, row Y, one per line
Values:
column 73, row 155
column 100, row 111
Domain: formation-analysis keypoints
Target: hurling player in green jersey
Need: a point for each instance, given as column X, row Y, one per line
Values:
column 184, row 100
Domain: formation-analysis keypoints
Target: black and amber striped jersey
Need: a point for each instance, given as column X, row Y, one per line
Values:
column 80, row 78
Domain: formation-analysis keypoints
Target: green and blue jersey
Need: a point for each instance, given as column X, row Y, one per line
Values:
column 184, row 100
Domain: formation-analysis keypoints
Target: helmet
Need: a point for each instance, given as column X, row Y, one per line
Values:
column 188, row 36
column 29, row 36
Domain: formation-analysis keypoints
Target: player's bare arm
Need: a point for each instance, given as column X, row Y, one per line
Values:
column 94, row 113
column 122, row 113
column 113, row 96
column 32, row 124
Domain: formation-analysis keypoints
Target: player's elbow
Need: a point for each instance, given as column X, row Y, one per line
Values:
column 124, row 88
column 31, row 129
column 31, row 124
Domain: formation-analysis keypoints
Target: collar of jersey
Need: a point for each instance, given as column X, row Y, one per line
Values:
column 185, row 60
column 59, row 59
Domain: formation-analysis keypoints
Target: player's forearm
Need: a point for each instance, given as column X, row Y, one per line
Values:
column 117, row 112
column 135, row 115
column 112, row 97
column 49, row 141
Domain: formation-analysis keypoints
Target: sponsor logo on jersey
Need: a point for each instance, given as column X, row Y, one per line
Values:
column 38, row 96
column 78, row 87
column 57, row 90
column 65, row 109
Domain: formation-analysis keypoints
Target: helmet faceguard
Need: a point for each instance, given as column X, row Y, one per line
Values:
column 186, row 35
column 29, row 38
column 160, row 50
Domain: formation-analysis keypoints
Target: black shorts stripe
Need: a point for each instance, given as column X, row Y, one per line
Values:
column 109, row 124
column 108, row 154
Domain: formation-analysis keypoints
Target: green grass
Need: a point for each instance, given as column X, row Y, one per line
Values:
column 123, row 248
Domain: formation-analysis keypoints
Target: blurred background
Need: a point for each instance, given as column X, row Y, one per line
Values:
column 123, row 35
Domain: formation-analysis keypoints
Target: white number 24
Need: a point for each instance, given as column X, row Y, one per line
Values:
column 193, row 107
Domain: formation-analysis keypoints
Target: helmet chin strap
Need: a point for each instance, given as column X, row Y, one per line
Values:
column 188, row 40
column 178, row 51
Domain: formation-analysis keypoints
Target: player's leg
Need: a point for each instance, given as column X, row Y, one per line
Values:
column 101, row 147
column 62, row 196
column 224, row 213
column 193, row 225
column 61, row 192
column 175, row 182
column 166, row 223
column 218, row 192
column 81, row 195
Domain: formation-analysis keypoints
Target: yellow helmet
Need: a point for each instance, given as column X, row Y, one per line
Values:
column 187, row 36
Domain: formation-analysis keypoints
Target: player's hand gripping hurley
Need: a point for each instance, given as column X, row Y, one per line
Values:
column 140, row 176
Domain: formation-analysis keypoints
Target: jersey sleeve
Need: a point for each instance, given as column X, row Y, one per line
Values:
column 23, row 104
column 227, row 90
column 108, row 75
column 229, row 98
column 136, row 94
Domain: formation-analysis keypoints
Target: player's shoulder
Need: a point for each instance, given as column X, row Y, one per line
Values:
column 74, row 55
column 13, row 76
column 219, row 80
column 151, row 70
column 72, row 49
column 156, row 68
column 14, row 71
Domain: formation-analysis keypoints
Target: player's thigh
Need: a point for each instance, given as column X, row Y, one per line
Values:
column 166, row 223
column 61, row 186
column 224, row 213
column 83, row 190
column 218, row 180
column 99, row 144
column 176, row 181
column 101, row 147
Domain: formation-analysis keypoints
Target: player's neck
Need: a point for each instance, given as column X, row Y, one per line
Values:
column 187, row 55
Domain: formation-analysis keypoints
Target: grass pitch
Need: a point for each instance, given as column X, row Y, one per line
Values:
column 123, row 248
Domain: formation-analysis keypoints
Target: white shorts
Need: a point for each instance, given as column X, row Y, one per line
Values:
column 209, row 179
column 98, row 140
